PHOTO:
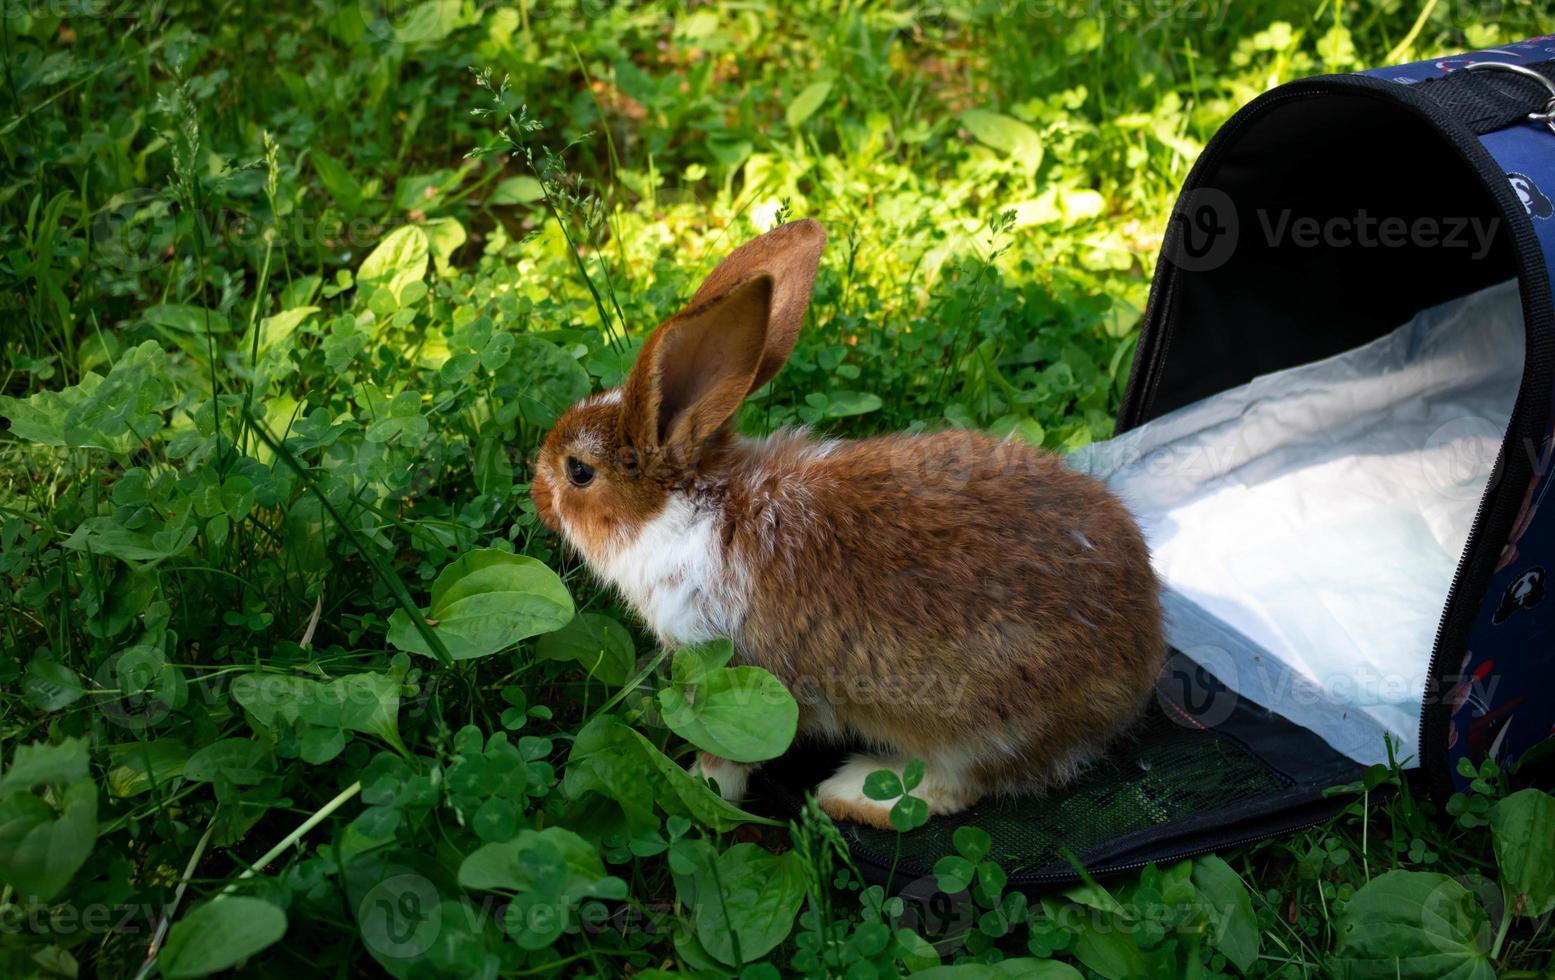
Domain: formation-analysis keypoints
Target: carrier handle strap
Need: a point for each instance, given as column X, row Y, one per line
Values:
column 1490, row 95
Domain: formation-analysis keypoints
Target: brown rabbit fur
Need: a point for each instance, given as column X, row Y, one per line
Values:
column 970, row 602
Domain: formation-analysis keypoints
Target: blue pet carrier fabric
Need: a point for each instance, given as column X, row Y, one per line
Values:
column 1499, row 695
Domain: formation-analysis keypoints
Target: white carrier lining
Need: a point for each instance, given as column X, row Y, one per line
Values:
column 1307, row 524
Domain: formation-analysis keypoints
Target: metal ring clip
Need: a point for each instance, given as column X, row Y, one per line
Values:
column 1547, row 116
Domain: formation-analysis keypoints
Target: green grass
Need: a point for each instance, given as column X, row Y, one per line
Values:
column 252, row 417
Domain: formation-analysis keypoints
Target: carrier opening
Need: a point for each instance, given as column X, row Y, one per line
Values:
column 1307, row 524
column 1332, row 376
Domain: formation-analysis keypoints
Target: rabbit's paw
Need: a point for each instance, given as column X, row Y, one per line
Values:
column 945, row 789
column 730, row 777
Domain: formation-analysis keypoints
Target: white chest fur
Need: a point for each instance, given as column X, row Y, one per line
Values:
column 675, row 573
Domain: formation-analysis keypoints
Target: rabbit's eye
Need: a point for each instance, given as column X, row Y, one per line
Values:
column 579, row 473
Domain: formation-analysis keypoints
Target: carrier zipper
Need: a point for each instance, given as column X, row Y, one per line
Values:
column 1053, row 877
column 1035, row 878
column 1503, row 501
column 1313, row 811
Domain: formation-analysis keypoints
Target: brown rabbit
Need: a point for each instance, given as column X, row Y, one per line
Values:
column 950, row 597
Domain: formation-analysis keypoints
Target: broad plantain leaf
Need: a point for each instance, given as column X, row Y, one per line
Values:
column 49, row 684
column 1111, row 951
column 41, row 847
column 187, row 319
column 550, row 873
column 522, row 189
column 1234, row 928
column 841, row 404
column 41, row 763
column 41, row 417
column 598, row 643
column 493, row 469
column 739, row 713
column 139, row 766
column 619, row 763
column 486, row 601
column 742, row 901
column 399, row 260
column 365, row 702
column 220, row 934
column 114, row 413
column 805, row 104
column 542, row 379
column 337, row 180
column 1005, row 134
column 1414, row 924
column 45, row 840
column 238, row 760
column 1522, row 827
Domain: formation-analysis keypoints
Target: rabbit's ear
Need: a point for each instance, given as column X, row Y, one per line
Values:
column 790, row 254
column 735, row 334
column 696, row 368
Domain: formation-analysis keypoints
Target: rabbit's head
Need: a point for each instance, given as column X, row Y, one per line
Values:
column 612, row 460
